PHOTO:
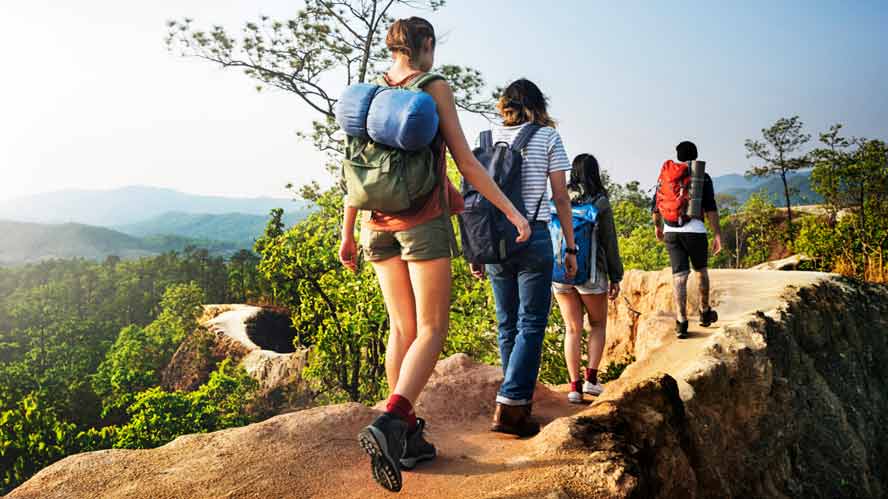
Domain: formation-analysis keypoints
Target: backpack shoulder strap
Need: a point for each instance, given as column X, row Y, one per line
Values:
column 525, row 135
column 485, row 140
column 422, row 80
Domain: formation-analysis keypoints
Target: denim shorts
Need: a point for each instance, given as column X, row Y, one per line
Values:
column 594, row 286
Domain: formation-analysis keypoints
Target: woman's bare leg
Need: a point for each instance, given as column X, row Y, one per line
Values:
column 394, row 280
column 572, row 312
column 596, row 307
column 431, row 290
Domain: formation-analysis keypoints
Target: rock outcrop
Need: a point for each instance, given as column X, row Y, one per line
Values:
column 260, row 339
column 786, row 397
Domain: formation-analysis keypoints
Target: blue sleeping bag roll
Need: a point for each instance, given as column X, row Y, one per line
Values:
column 352, row 108
column 398, row 118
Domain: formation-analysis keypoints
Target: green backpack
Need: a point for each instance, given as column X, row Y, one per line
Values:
column 382, row 178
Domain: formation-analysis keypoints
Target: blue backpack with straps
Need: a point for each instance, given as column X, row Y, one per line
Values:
column 487, row 235
column 585, row 234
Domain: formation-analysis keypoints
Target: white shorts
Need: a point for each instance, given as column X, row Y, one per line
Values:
column 590, row 287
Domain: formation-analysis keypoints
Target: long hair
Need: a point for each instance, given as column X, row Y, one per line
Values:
column 585, row 176
column 523, row 102
column 406, row 36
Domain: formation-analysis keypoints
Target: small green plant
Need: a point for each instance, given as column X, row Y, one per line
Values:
column 615, row 368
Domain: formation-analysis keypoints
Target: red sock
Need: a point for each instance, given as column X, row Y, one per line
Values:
column 575, row 386
column 592, row 375
column 402, row 408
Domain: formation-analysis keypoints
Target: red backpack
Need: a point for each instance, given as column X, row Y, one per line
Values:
column 673, row 193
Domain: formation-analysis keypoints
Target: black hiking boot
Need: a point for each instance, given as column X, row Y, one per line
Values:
column 708, row 317
column 418, row 448
column 681, row 329
column 384, row 442
column 514, row 420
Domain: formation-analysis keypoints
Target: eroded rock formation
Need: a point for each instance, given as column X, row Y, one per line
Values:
column 787, row 397
column 260, row 339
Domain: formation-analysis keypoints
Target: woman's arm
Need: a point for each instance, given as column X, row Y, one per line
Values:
column 347, row 247
column 558, row 181
column 607, row 233
column 466, row 162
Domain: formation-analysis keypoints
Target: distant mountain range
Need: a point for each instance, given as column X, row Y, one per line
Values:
column 141, row 221
column 131, row 205
column 131, row 222
column 230, row 227
column 28, row 243
column 742, row 187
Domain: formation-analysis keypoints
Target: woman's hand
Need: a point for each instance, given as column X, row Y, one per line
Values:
column 717, row 244
column 348, row 253
column 523, row 226
column 477, row 270
column 614, row 291
column 570, row 265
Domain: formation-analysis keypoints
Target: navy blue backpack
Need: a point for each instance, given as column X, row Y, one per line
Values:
column 584, row 217
column 487, row 235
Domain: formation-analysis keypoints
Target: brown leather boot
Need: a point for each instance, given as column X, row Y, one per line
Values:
column 514, row 420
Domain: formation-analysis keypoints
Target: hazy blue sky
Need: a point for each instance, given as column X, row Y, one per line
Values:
column 90, row 98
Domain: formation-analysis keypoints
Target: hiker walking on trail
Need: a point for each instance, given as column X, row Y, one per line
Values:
column 597, row 241
column 521, row 277
column 685, row 195
column 410, row 248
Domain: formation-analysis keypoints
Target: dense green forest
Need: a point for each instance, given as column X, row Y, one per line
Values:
column 81, row 348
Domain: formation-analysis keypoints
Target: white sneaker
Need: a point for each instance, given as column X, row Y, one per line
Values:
column 575, row 397
column 591, row 389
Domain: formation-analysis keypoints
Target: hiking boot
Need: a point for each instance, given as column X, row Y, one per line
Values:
column 514, row 420
column 575, row 396
column 594, row 389
column 681, row 329
column 708, row 317
column 418, row 448
column 384, row 441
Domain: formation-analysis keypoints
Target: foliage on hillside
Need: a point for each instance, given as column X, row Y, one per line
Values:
column 77, row 337
column 238, row 228
column 31, row 243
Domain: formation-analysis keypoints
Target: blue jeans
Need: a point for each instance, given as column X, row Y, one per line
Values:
column 522, row 288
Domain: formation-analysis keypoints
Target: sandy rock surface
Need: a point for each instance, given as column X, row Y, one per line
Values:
column 782, row 398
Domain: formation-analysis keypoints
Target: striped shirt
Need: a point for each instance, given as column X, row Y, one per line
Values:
column 543, row 155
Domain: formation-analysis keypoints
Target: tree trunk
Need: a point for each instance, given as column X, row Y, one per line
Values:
column 788, row 206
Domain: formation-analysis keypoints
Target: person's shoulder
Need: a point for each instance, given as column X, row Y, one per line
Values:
column 548, row 132
column 602, row 202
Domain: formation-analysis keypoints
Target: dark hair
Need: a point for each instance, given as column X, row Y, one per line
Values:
column 686, row 151
column 585, row 176
column 406, row 36
column 523, row 102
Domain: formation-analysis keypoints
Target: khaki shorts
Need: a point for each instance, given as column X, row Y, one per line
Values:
column 426, row 241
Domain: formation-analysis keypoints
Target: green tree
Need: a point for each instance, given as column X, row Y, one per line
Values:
column 157, row 416
column 31, row 437
column 852, row 175
column 341, row 314
column 757, row 220
column 829, row 163
column 314, row 55
column 134, row 361
column 781, row 141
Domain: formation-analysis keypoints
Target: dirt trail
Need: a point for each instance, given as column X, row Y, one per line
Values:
column 314, row 453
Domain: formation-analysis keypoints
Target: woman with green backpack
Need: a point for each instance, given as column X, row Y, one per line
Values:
column 410, row 251
column 590, row 298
